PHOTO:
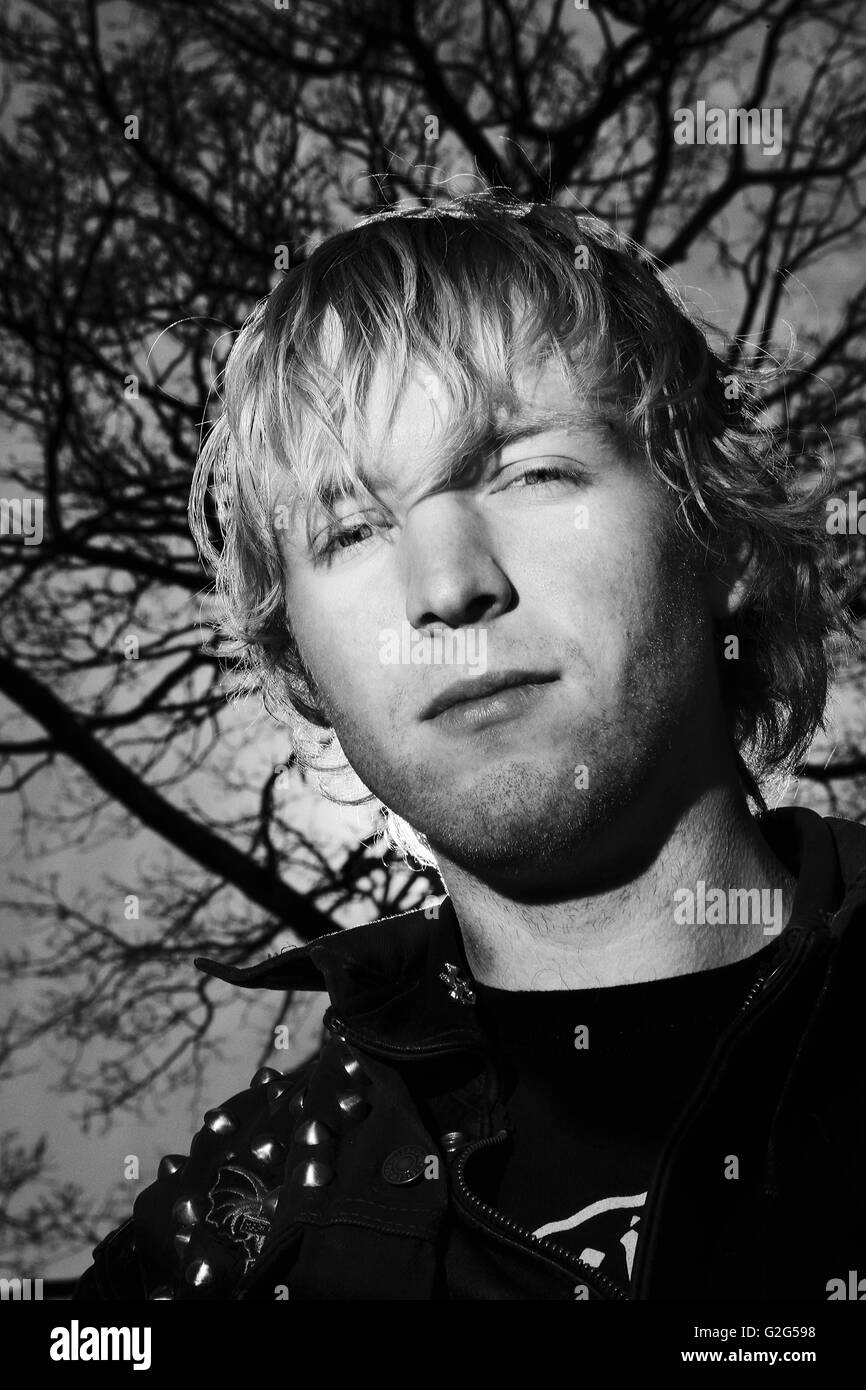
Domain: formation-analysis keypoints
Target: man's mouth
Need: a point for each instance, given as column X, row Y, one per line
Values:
column 487, row 699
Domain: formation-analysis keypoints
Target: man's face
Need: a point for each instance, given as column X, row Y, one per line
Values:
column 559, row 553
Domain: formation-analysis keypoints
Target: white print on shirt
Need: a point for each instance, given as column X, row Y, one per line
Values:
column 628, row 1240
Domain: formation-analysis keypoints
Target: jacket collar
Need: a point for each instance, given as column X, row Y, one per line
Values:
column 404, row 981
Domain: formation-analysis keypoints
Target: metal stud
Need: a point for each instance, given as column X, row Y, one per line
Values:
column 220, row 1121
column 353, row 1105
column 172, row 1163
column 313, row 1174
column 199, row 1273
column 268, row 1150
column 164, row 1291
column 264, row 1075
column 188, row 1211
column 275, row 1090
column 181, row 1241
column 312, row 1132
column 296, row 1104
column 269, row 1204
column 352, row 1068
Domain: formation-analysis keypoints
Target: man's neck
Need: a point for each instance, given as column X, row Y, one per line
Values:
column 639, row 930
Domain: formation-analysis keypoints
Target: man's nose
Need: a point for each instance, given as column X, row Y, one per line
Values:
column 452, row 574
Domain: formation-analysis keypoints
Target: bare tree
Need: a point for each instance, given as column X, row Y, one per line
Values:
column 161, row 162
column 59, row 1214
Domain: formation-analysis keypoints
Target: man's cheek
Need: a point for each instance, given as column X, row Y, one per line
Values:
column 351, row 681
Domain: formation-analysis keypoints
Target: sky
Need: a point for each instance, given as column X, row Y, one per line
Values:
column 33, row 1104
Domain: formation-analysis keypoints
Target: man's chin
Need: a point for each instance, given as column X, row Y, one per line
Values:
column 531, row 839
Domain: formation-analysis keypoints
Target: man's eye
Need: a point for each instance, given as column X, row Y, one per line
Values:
column 344, row 538
column 544, row 474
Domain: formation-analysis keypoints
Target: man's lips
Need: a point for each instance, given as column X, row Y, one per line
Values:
column 476, row 689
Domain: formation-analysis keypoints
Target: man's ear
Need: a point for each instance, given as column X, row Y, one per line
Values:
column 306, row 696
column 727, row 582
column 308, row 701
column 309, row 711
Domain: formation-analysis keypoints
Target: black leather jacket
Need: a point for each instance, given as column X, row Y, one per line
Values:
column 352, row 1177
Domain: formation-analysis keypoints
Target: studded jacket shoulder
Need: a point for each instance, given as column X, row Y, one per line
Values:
column 205, row 1219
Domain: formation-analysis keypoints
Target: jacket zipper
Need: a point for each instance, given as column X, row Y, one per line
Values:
column 504, row 1228
column 495, row 1223
column 756, row 994
column 481, row 1214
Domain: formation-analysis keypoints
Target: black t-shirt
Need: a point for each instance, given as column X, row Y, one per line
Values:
column 595, row 1079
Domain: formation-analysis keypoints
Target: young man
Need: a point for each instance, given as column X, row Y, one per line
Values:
column 499, row 527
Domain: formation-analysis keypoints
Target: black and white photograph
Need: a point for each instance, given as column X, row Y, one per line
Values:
column 432, row 736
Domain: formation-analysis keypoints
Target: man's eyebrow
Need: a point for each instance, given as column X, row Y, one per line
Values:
column 496, row 435
column 501, row 434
